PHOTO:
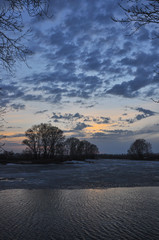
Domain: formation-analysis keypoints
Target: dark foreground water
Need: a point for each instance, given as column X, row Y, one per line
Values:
column 114, row 213
column 102, row 199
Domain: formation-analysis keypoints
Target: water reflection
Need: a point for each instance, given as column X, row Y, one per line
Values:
column 119, row 213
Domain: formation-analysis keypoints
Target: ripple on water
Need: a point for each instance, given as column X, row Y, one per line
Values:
column 119, row 213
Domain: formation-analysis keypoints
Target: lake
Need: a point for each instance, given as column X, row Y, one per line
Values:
column 103, row 199
column 115, row 213
column 89, row 174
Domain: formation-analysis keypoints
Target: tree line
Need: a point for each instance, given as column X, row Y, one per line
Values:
column 48, row 142
column 140, row 149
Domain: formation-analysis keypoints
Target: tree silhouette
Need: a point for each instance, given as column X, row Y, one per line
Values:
column 44, row 141
column 76, row 148
column 12, row 33
column 12, row 28
column 86, row 148
column 140, row 13
column 139, row 149
column 2, row 112
column 72, row 146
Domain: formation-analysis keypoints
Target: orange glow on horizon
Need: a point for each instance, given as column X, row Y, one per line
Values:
column 9, row 134
column 99, row 127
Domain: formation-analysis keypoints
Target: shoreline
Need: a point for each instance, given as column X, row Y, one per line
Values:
column 80, row 189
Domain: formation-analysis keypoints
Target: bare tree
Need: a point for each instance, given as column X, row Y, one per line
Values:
column 1, row 135
column 76, row 148
column 12, row 28
column 72, row 145
column 86, row 148
column 140, row 13
column 139, row 149
column 12, row 33
column 2, row 112
column 44, row 140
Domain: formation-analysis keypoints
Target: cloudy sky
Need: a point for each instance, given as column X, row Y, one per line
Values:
column 89, row 76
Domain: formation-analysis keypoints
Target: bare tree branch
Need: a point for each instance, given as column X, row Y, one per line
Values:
column 12, row 34
column 2, row 112
column 156, row 101
column 12, row 28
column 139, row 13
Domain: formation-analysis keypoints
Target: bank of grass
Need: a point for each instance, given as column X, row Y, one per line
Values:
column 29, row 159
column 20, row 158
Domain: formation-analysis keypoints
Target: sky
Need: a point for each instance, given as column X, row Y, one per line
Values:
column 88, row 75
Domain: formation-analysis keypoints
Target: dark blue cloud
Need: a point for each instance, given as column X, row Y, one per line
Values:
column 143, row 77
column 77, row 117
column 41, row 112
column 85, row 56
column 12, row 127
column 32, row 97
column 141, row 59
column 145, row 113
column 125, row 135
column 86, row 50
column 112, row 134
column 66, row 116
column 15, row 135
column 18, row 106
column 102, row 120
column 80, row 126
column 10, row 93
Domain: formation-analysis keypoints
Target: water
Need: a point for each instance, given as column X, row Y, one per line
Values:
column 98, row 174
column 84, row 200
column 114, row 214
